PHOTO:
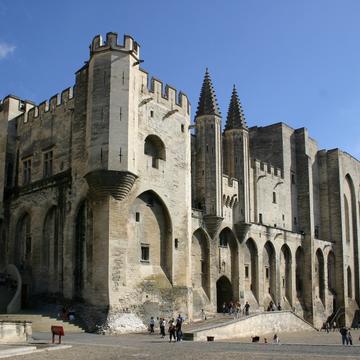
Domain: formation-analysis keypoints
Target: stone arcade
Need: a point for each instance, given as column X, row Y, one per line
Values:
column 111, row 198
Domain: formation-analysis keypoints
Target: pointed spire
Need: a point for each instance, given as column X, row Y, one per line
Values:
column 235, row 118
column 207, row 102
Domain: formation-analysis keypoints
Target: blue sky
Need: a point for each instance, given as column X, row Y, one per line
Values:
column 292, row 61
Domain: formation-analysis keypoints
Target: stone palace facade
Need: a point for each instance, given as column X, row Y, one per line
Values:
column 112, row 197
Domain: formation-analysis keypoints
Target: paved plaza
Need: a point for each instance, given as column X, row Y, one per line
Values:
column 310, row 345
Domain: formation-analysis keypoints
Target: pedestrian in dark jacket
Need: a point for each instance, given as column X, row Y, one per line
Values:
column 344, row 335
column 162, row 327
column 172, row 330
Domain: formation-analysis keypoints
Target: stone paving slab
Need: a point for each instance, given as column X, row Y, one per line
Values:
column 12, row 350
column 322, row 346
column 7, row 351
column 307, row 338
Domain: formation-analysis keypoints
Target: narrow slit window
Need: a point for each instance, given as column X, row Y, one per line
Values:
column 27, row 171
column 145, row 253
column 48, row 163
column 274, row 197
column 203, row 267
column 260, row 218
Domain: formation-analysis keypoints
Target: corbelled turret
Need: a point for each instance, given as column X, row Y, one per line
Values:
column 235, row 118
column 207, row 102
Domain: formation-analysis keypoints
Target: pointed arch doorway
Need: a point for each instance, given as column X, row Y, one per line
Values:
column 224, row 292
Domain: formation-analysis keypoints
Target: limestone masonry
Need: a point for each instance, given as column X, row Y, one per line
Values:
column 112, row 200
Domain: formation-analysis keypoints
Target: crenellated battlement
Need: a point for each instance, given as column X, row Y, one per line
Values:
column 263, row 168
column 111, row 43
column 19, row 104
column 230, row 181
column 56, row 101
column 166, row 93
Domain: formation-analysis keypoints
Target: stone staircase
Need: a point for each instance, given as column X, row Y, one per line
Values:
column 256, row 324
column 216, row 319
column 43, row 323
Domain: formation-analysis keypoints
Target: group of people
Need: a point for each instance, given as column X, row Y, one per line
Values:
column 327, row 327
column 273, row 307
column 234, row 308
column 174, row 328
column 256, row 339
column 66, row 313
column 346, row 336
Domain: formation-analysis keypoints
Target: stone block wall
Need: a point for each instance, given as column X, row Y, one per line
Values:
column 113, row 224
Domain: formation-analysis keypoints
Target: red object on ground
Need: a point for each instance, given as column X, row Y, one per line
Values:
column 57, row 330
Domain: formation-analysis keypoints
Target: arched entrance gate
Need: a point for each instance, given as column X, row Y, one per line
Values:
column 224, row 292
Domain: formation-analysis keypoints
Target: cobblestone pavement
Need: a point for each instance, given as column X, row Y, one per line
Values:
column 303, row 346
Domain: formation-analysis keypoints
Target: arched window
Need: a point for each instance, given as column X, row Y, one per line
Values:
column 155, row 148
column 223, row 239
column 331, row 272
column 269, row 263
column 300, row 269
column 153, row 234
column 319, row 274
column 22, row 241
column 200, row 261
column 251, row 271
column 349, row 281
column 2, row 246
column 347, row 219
column 285, row 269
column 50, row 251
column 83, row 248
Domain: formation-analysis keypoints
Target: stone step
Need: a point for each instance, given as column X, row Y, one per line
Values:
column 215, row 320
column 42, row 323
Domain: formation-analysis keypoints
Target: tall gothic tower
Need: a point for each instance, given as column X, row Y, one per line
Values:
column 209, row 157
column 236, row 154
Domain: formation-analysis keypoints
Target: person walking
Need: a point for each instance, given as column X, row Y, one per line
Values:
column 238, row 309
column 246, row 308
column 350, row 342
column 162, row 327
column 270, row 306
column 327, row 327
column 178, row 326
column 172, row 330
column 344, row 335
column 276, row 339
column 203, row 314
column 231, row 308
column 151, row 325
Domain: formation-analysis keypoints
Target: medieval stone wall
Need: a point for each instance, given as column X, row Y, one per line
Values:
column 139, row 213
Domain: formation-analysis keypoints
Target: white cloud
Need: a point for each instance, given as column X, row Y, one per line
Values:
column 5, row 50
